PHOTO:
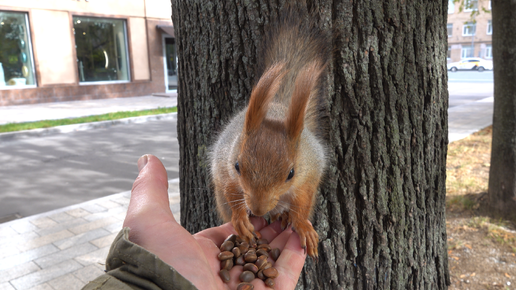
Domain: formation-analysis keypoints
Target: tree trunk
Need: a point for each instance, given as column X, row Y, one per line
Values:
column 502, row 173
column 381, row 211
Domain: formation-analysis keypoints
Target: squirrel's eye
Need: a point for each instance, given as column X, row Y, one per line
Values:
column 237, row 167
column 291, row 174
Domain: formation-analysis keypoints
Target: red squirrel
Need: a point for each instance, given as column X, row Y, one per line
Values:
column 270, row 158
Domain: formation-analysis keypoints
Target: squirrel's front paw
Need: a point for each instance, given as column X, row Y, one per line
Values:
column 243, row 227
column 284, row 217
column 308, row 236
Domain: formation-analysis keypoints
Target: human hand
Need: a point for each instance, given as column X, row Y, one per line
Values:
column 195, row 256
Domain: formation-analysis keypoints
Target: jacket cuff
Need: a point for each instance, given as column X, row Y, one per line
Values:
column 137, row 268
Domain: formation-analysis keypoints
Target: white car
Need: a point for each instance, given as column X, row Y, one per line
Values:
column 472, row 63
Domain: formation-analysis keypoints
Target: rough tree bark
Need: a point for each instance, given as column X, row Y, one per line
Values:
column 381, row 211
column 502, row 173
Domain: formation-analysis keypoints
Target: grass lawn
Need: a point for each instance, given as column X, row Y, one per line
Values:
column 12, row 127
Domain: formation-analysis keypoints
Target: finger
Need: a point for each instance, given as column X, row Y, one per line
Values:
column 154, row 228
column 258, row 222
column 216, row 234
column 220, row 233
column 290, row 263
column 149, row 204
column 270, row 232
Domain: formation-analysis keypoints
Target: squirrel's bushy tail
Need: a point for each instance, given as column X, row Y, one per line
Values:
column 295, row 40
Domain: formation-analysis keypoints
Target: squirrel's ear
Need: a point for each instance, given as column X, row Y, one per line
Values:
column 305, row 82
column 261, row 96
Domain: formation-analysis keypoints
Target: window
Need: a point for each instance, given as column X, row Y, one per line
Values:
column 101, row 49
column 448, row 55
column 467, row 51
column 451, row 6
column 489, row 27
column 450, row 29
column 16, row 62
column 489, row 51
column 470, row 5
column 469, row 29
column 171, row 63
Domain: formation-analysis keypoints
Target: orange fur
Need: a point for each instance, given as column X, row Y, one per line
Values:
column 261, row 96
column 305, row 82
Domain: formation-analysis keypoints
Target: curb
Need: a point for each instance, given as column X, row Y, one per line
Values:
column 9, row 136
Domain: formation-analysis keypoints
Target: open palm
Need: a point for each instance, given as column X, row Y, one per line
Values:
column 195, row 256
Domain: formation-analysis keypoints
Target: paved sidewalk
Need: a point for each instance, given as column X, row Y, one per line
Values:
column 469, row 118
column 65, row 248
column 63, row 110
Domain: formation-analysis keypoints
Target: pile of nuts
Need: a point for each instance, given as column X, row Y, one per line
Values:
column 253, row 256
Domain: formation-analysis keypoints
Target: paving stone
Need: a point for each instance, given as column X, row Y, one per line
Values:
column 93, row 225
column 17, row 271
column 43, row 222
column 61, row 217
column 44, row 240
column 27, row 256
column 174, row 200
column 88, row 273
column 120, row 216
column 62, row 226
column 108, row 204
column 177, row 216
column 175, row 208
column 78, row 212
column 122, row 200
column 81, row 238
column 22, row 226
column 96, row 257
column 115, row 228
column 66, row 282
column 68, row 254
column 111, row 212
column 42, row 276
column 93, row 208
column 17, row 238
column 6, row 231
column 6, row 286
column 104, row 241
column 42, row 287
column 8, row 250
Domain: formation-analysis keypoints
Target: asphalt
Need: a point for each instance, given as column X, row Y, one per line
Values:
column 66, row 248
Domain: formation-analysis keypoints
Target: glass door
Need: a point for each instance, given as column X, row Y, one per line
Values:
column 170, row 64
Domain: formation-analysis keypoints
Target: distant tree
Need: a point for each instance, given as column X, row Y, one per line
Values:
column 502, row 174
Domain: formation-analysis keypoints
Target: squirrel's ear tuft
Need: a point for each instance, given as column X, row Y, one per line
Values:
column 305, row 82
column 261, row 96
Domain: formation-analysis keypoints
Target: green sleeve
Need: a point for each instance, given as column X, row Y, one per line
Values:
column 131, row 267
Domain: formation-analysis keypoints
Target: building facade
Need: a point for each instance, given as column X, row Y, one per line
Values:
column 64, row 50
column 469, row 33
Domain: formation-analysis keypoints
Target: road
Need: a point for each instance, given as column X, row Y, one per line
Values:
column 469, row 86
column 45, row 173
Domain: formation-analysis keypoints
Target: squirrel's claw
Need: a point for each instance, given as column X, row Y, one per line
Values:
column 244, row 227
column 285, row 220
column 308, row 237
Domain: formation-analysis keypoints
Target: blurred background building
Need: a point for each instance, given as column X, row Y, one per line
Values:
column 63, row 50
column 470, row 29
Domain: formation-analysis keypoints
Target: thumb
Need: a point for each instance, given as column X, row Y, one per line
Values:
column 149, row 204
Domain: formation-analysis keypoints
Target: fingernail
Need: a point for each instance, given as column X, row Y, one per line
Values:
column 142, row 162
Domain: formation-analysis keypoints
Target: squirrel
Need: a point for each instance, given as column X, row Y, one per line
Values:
column 270, row 158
